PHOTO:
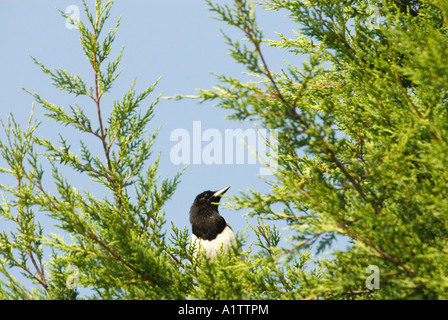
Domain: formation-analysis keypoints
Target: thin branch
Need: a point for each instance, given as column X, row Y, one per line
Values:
column 38, row 267
column 403, row 91
column 256, row 42
column 340, row 165
column 302, row 243
column 382, row 253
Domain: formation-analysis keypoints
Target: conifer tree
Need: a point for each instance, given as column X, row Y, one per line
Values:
column 362, row 139
column 363, row 131
column 116, row 244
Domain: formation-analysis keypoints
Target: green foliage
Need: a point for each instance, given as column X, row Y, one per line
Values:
column 117, row 246
column 116, row 240
column 363, row 134
column 362, row 137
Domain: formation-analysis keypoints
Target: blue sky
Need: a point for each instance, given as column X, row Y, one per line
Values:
column 176, row 40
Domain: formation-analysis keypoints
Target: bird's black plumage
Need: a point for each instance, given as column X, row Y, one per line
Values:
column 205, row 219
column 208, row 226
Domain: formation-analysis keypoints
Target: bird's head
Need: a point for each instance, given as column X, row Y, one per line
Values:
column 206, row 222
column 209, row 199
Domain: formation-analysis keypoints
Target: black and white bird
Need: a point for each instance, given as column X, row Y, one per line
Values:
column 210, row 231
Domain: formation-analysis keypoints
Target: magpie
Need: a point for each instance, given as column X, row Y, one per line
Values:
column 209, row 229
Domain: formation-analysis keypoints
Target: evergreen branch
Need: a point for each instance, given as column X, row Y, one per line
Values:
column 403, row 91
column 64, row 80
column 77, row 119
column 253, row 37
column 406, row 8
column 383, row 254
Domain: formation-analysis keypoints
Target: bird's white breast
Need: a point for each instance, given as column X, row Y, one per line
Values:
column 225, row 240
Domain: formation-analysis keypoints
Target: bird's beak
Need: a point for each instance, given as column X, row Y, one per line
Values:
column 220, row 192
